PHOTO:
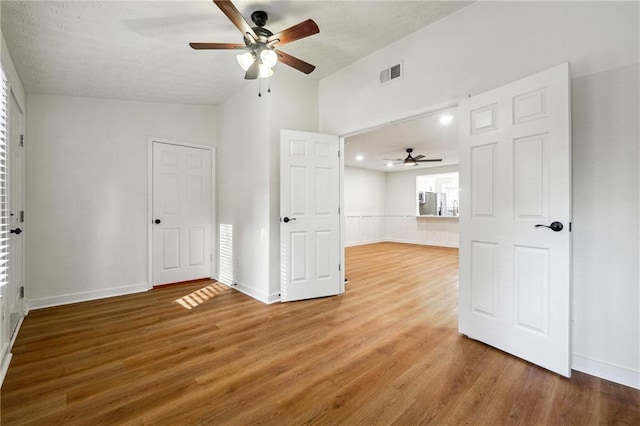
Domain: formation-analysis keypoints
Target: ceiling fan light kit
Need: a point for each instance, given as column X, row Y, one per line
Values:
column 261, row 55
column 245, row 60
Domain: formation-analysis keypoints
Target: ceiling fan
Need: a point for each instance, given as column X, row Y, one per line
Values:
column 413, row 161
column 260, row 53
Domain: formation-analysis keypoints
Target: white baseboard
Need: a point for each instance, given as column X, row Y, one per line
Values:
column 256, row 294
column 274, row 298
column 422, row 243
column 84, row 296
column 362, row 243
column 607, row 371
column 7, row 356
column 5, row 366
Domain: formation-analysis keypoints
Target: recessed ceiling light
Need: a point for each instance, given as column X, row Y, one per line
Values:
column 446, row 119
column 359, row 157
column 389, row 164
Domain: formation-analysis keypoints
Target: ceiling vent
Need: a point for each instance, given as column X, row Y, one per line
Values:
column 392, row 73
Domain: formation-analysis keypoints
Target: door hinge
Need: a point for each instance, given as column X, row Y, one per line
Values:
column 338, row 210
column 22, row 292
column 338, row 153
column 21, row 140
column 21, row 216
column 339, row 267
column 570, row 226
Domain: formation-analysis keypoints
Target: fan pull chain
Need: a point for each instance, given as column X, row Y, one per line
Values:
column 260, row 87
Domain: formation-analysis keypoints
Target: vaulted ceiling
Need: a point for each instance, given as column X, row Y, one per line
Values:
column 139, row 50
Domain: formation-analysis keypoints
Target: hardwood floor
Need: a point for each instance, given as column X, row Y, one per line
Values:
column 385, row 352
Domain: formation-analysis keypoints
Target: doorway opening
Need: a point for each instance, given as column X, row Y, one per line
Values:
column 382, row 193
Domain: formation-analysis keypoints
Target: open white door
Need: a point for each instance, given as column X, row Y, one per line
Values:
column 310, row 249
column 515, row 175
column 15, row 294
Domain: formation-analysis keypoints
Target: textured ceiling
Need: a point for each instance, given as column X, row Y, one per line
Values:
column 139, row 50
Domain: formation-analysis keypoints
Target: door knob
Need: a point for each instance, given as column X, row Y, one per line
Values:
column 16, row 231
column 287, row 219
column 555, row 226
column 157, row 221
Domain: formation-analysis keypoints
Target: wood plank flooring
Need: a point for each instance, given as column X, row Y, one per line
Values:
column 385, row 352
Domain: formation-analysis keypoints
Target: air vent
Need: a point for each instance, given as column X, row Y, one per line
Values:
column 392, row 73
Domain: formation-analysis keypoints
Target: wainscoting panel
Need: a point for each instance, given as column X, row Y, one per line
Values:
column 364, row 229
column 400, row 227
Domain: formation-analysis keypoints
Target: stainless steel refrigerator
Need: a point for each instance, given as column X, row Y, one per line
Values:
column 428, row 204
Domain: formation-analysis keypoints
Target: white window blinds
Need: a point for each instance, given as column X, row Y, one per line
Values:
column 4, row 199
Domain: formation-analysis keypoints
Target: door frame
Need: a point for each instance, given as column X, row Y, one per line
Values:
column 342, row 137
column 24, row 305
column 214, row 228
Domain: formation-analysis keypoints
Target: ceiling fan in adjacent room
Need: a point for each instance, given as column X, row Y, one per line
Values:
column 413, row 161
column 260, row 54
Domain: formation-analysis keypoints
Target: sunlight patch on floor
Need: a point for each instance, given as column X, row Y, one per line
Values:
column 200, row 296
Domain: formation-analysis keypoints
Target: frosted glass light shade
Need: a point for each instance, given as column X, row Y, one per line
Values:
column 269, row 58
column 265, row 71
column 245, row 60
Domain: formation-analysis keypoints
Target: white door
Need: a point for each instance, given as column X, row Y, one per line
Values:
column 515, row 175
column 310, row 252
column 15, row 293
column 181, row 213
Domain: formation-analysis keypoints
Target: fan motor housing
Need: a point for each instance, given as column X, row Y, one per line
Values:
column 259, row 17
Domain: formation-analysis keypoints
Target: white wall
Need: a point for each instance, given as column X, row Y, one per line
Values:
column 364, row 191
column 243, row 187
column 249, row 190
column 488, row 44
column 382, row 206
column 606, row 223
column 86, row 184
column 364, row 205
column 480, row 47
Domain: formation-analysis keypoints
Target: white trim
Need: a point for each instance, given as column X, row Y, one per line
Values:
column 85, row 296
column 8, row 355
column 214, row 227
column 342, row 216
column 6, row 360
column 604, row 370
column 256, row 294
column 420, row 243
column 418, row 114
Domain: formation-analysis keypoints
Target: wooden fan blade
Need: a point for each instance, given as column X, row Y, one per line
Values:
column 235, row 17
column 418, row 157
column 429, row 160
column 301, row 30
column 252, row 72
column 294, row 62
column 216, row 46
